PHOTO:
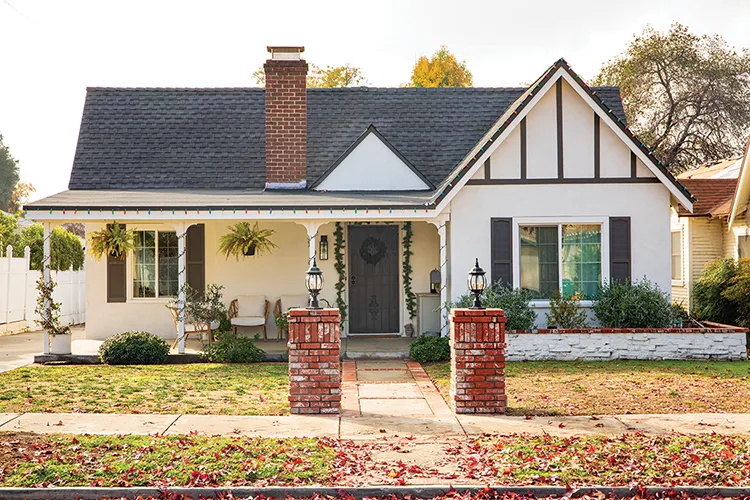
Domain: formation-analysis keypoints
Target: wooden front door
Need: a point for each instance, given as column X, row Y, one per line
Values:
column 373, row 279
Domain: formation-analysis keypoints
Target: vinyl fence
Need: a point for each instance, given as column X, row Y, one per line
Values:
column 18, row 293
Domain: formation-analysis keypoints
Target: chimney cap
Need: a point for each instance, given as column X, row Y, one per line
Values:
column 287, row 53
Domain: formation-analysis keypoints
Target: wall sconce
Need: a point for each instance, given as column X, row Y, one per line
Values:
column 323, row 248
column 435, row 281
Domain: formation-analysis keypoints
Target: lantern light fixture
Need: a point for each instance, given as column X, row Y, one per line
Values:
column 314, row 284
column 477, row 283
column 323, row 248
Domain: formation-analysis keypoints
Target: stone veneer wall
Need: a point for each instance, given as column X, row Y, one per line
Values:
column 606, row 344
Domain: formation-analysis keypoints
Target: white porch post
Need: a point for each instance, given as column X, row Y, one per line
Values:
column 442, row 227
column 181, row 280
column 46, row 273
column 312, row 233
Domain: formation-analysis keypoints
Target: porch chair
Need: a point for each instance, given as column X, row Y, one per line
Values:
column 249, row 310
column 285, row 303
column 192, row 328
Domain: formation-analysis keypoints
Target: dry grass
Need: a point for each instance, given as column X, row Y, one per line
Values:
column 620, row 387
column 231, row 389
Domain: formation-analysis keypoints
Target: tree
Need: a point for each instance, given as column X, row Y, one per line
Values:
column 20, row 196
column 685, row 96
column 8, row 232
column 440, row 70
column 66, row 249
column 328, row 77
column 9, row 175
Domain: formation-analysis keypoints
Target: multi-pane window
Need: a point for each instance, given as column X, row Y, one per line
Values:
column 743, row 247
column 676, row 255
column 565, row 257
column 155, row 264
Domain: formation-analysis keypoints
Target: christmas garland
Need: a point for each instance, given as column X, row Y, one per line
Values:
column 411, row 298
column 340, row 267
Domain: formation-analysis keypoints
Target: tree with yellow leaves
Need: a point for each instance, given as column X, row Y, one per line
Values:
column 440, row 70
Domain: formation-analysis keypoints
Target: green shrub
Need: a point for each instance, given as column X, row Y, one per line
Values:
column 514, row 301
column 737, row 295
column 229, row 348
column 637, row 305
column 134, row 348
column 430, row 349
column 712, row 298
column 566, row 312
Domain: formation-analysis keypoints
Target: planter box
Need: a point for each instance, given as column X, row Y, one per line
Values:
column 60, row 344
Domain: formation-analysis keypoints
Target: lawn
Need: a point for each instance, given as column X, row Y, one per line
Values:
column 29, row 460
column 618, row 387
column 236, row 389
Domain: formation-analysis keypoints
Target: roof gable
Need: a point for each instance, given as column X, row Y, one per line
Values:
column 371, row 163
column 511, row 118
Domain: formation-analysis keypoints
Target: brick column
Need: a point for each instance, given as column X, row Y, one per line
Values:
column 478, row 360
column 314, row 360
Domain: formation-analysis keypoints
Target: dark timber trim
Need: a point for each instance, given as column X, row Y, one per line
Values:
column 558, row 95
column 567, row 180
column 487, row 169
column 597, row 148
column 523, row 148
column 633, row 166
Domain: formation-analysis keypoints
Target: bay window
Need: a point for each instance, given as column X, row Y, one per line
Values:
column 155, row 264
column 564, row 257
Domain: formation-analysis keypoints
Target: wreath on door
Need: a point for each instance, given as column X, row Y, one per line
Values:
column 372, row 250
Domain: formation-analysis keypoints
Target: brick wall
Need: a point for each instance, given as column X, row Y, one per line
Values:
column 314, row 361
column 478, row 361
column 286, row 123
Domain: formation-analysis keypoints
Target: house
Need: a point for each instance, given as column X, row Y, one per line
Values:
column 545, row 185
column 718, row 225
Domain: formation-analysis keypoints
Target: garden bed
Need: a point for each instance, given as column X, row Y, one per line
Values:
column 619, row 387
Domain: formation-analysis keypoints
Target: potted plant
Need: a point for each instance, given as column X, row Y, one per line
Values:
column 114, row 240
column 49, row 318
column 244, row 240
column 205, row 308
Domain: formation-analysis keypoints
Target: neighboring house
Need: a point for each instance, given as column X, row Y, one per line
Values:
column 545, row 185
column 717, row 226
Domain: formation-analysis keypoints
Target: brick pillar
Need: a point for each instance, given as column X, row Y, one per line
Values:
column 314, row 361
column 478, row 360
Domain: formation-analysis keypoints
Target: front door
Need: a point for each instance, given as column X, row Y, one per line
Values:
column 373, row 279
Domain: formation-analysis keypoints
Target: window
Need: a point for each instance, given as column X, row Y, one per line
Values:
column 677, row 255
column 565, row 257
column 743, row 247
column 155, row 273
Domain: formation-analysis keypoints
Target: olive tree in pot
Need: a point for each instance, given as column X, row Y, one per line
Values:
column 49, row 317
column 244, row 240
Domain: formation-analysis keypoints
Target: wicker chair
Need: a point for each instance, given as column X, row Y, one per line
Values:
column 191, row 328
column 251, row 317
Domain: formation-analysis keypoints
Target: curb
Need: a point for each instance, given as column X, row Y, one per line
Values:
column 362, row 492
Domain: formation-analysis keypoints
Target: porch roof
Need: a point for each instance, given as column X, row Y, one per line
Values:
column 186, row 199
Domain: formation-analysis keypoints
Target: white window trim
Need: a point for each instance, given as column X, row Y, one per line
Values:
column 739, row 231
column 678, row 229
column 554, row 221
column 131, row 270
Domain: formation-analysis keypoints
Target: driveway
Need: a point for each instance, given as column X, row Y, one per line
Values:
column 19, row 350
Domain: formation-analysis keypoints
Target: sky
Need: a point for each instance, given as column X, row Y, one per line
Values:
column 52, row 50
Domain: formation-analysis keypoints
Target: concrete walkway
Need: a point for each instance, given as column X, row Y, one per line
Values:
column 19, row 350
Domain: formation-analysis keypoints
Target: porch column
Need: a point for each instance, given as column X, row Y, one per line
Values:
column 46, row 274
column 312, row 232
column 442, row 226
column 181, row 280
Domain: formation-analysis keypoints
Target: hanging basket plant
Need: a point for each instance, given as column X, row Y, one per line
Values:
column 244, row 240
column 114, row 240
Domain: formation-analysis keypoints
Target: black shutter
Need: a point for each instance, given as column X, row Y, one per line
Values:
column 502, row 251
column 195, row 258
column 116, row 278
column 619, row 249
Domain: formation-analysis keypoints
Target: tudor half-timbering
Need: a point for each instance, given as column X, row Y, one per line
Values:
column 545, row 185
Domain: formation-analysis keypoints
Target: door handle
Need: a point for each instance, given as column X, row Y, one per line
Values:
column 354, row 279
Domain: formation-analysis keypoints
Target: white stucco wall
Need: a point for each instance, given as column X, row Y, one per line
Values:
column 609, row 346
column 646, row 204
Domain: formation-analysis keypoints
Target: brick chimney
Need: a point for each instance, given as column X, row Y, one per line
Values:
column 286, row 118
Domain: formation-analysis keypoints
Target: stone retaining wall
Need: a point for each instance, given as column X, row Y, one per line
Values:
column 647, row 343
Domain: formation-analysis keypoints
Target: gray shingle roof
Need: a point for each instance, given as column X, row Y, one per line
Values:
column 139, row 138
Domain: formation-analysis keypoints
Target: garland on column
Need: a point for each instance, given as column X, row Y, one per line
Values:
column 340, row 267
column 411, row 298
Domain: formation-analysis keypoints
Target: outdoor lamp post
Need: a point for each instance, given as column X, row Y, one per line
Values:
column 477, row 283
column 314, row 284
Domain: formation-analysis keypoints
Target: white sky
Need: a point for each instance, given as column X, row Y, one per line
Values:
column 52, row 50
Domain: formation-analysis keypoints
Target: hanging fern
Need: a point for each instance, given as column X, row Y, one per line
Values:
column 114, row 240
column 242, row 239
column 411, row 298
column 340, row 267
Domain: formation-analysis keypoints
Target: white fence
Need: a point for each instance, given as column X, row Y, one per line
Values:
column 18, row 293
